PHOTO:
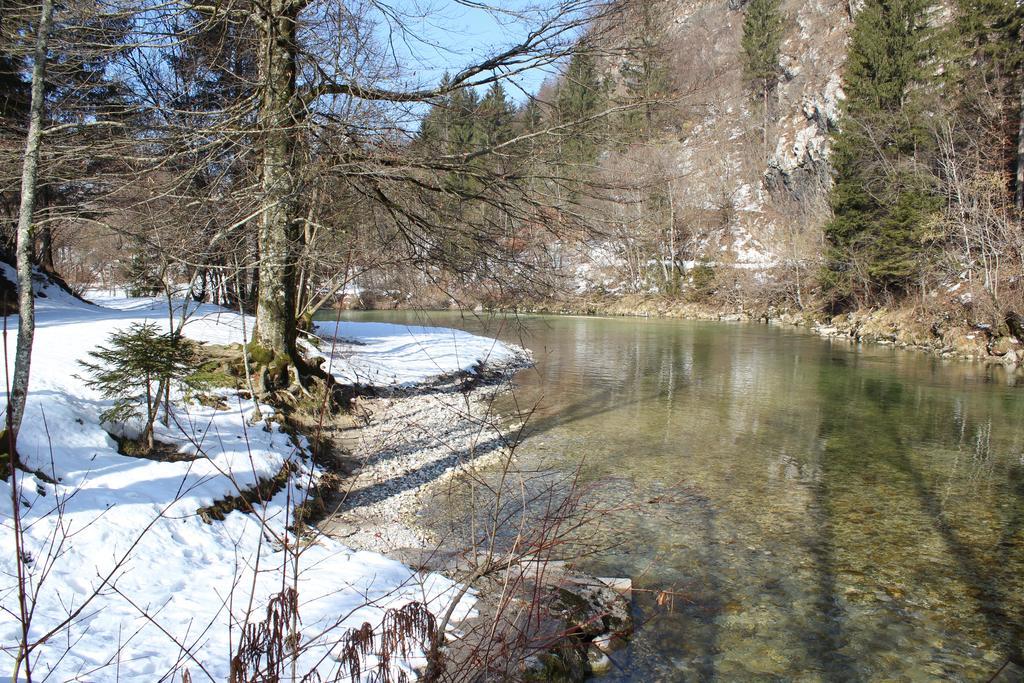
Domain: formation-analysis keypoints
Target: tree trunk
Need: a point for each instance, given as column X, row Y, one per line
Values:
column 46, row 249
column 304, row 295
column 25, row 245
column 1020, row 152
column 672, row 240
column 152, row 407
column 44, row 257
column 279, row 234
column 764, row 118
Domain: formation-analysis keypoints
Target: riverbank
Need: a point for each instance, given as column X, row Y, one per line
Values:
column 423, row 415
column 148, row 567
column 410, row 444
column 944, row 335
column 954, row 329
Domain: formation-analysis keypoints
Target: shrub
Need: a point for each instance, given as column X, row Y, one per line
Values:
column 703, row 279
column 137, row 370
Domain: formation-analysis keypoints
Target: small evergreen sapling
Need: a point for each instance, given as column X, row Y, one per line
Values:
column 136, row 370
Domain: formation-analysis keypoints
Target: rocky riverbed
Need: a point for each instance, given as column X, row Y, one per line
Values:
column 406, row 446
column 534, row 620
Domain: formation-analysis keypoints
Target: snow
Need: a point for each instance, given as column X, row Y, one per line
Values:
column 750, row 253
column 745, row 198
column 162, row 589
column 405, row 355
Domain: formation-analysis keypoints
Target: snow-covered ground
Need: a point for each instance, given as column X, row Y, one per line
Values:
column 386, row 354
column 115, row 546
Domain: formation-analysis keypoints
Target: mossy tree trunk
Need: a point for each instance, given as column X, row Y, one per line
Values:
column 279, row 231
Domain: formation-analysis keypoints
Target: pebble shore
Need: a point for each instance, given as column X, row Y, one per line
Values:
column 412, row 442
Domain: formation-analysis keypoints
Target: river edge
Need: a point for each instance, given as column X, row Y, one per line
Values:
column 533, row 619
column 413, row 442
column 410, row 443
column 840, row 347
column 941, row 336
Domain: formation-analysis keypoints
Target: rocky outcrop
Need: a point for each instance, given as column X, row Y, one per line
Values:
column 721, row 151
column 750, row 182
column 799, row 165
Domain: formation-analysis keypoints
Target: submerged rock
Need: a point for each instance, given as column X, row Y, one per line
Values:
column 592, row 608
column 597, row 661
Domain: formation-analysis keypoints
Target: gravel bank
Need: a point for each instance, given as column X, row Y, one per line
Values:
column 413, row 441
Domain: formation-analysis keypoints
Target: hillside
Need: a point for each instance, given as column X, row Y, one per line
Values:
column 740, row 197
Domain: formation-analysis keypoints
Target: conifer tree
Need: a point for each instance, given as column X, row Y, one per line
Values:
column 531, row 116
column 763, row 29
column 456, row 125
column 453, row 126
column 882, row 201
column 135, row 372
column 645, row 75
column 434, row 129
column 496, row 114
column 581, row 95
column 465, row 131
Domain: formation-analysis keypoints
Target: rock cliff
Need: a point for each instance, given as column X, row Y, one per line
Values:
column 743, row 196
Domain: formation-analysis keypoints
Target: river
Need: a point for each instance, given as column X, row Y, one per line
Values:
column 823, row 511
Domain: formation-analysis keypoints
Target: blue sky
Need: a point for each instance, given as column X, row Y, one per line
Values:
column 453, row 36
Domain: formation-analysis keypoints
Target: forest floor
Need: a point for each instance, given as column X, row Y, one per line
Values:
column 123, row 566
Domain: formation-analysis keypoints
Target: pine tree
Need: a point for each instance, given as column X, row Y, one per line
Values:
column 135, row 371
column 530, row 116
column 142, row 274
column 452, row 125
column 496, row 115
column 581, row 95
column 465, row 131
column 763, row 30
column 455, row 125
column 645, row 75
column 434, row 129
column 527, row 119
column 883, row 203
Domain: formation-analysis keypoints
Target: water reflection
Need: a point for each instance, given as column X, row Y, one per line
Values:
column 844, row 513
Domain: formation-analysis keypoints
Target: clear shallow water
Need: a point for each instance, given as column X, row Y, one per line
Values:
column 838, row 513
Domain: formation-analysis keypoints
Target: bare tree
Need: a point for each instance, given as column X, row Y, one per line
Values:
column 257, row 118
column 1020, row 153
column 25, row 244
